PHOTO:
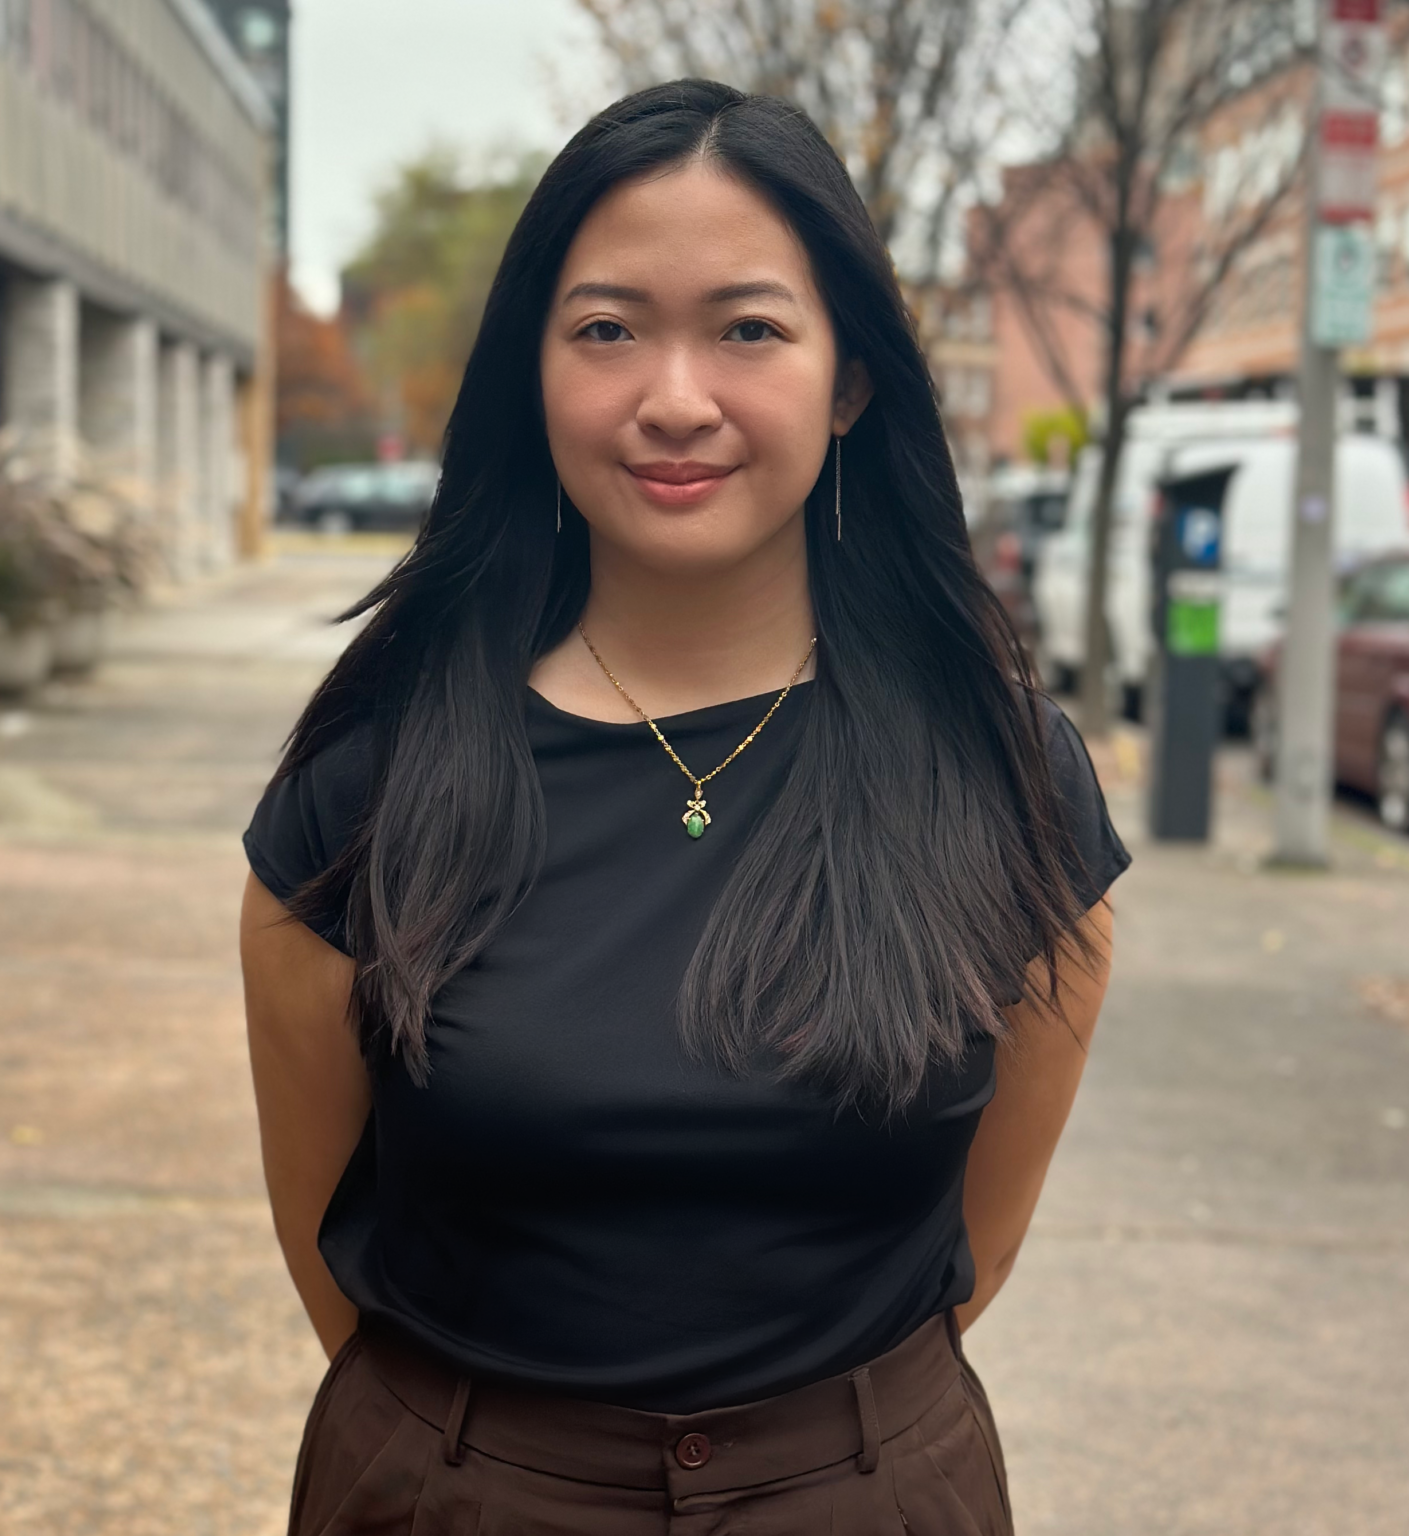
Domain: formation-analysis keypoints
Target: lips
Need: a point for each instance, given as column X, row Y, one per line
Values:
column 678, row 482
column 679, row 471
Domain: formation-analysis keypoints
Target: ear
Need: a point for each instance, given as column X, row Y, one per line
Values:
column 854, row 391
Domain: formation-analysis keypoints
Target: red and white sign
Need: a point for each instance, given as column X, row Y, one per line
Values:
column 1352, row 66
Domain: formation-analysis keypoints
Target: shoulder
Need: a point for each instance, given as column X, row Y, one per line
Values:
column 340, row 776
column 1095, row 855
column 1067, row 756
column 311, row 810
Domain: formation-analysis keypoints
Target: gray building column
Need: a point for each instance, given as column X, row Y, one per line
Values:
column 179, row 457
column 218, row 489
column 40, row 370
column 117, row 401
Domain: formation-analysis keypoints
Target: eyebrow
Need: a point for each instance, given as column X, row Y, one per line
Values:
column 729, row 294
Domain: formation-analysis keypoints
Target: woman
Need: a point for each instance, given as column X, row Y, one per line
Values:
column 700, row 915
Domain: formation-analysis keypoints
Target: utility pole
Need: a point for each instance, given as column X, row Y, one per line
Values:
column 1337, row 311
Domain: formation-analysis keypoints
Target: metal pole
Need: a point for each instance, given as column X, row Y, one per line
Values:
column 1306, row 674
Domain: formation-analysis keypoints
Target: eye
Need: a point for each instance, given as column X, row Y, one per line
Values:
column 750, row 330
column 604, row 330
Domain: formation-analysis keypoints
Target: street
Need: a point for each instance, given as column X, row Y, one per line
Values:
column 1206, row 1334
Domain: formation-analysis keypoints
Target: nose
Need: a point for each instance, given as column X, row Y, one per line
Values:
column 678, row 402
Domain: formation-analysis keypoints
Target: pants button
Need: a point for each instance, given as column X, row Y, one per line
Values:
column 693, row 1451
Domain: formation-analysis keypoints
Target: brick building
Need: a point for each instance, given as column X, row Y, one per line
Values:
column 1250, row 340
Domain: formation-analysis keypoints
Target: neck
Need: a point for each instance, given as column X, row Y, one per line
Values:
column 681, row 642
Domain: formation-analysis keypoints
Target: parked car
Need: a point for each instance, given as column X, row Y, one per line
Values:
column 286, row 483
column 1021, row 506
column 1259, row 437
column 1372, row 690
column 341, row 498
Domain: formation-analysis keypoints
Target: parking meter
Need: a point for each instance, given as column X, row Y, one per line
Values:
column 1185, row 691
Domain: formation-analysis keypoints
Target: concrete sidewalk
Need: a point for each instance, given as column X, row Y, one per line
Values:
column 1207, row 1331
column 1209, row 1326
column 156, row 1362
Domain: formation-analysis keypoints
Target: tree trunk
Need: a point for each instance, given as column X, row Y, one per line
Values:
column 1095, row 693
column 1095, row 697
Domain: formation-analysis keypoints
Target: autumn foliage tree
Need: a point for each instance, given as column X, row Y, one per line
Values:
column 413, row 295
column 324, row 408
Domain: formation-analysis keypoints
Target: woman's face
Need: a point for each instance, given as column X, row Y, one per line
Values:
column 690, row 373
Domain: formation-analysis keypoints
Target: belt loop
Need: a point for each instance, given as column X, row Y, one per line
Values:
column 455, row 1424
column 951, row 1325
column 870, row 1456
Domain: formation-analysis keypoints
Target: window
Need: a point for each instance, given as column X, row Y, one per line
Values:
column 258, row 31
column 74, row 57
column 1184, row 165
column 1387, row 226
column 1379, row 594
column 410, row 482
column 981, row 392
column 1394, row 103
column 1388, row 601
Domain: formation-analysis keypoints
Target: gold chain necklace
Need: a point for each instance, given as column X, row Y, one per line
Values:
column 696, row 818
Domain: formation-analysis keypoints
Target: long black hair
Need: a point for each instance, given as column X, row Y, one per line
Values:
column 889, row 903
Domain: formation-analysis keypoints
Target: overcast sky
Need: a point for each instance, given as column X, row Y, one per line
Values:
column 376, row 81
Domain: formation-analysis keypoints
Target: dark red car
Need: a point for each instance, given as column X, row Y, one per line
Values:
column 1372, row 689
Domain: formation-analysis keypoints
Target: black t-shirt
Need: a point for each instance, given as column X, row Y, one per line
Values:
column 570, row 1201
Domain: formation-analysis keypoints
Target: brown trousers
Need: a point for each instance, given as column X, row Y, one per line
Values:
column 398, row 1445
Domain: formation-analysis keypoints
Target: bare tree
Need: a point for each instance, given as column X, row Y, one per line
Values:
column 1184, row 139
column 905, row 90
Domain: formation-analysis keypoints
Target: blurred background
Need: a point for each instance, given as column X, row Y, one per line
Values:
column 244, row 248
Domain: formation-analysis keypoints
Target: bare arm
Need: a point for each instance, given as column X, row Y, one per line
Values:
column 1039, row 1069
column 310, row 1087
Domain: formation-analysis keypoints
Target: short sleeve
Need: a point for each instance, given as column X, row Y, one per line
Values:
column 1095, row 856
column 305, row 819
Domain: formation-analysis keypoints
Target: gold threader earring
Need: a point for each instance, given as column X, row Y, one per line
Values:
column 838, row 477
column 560, row 506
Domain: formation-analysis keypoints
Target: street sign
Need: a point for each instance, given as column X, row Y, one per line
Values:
column 1352, row 67
column 1353, row 56
column 1343, row 296
column 1348, row 169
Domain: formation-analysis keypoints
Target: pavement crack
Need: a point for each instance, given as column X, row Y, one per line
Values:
column 1326, row 1239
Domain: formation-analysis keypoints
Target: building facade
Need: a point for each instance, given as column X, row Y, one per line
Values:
column 1251, row 342
column 259, row 31
column 134, row 173
column 1248, row 345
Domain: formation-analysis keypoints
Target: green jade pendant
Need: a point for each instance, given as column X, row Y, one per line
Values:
column 696, row 818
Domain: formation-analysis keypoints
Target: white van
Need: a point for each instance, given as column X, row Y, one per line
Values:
column 1259, row 437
